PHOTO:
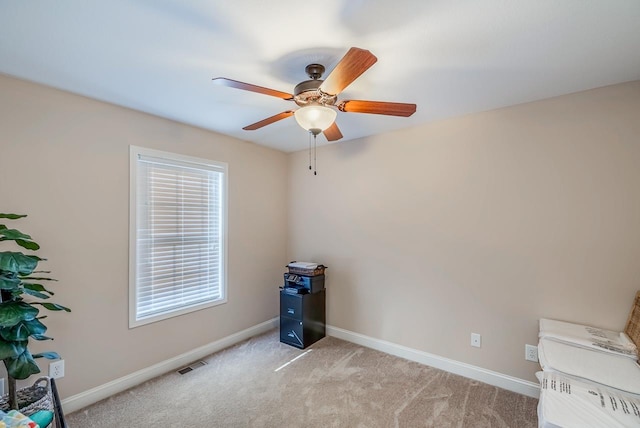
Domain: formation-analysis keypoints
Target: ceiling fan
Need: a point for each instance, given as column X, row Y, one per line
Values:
column 315, row 97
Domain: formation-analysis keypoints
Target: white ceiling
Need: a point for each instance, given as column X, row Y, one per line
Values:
column 449, row 57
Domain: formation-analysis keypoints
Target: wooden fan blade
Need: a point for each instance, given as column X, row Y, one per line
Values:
column 253, row 88
column 350, row 67
column 377, row 107
column 269, row 120
column 333, row 132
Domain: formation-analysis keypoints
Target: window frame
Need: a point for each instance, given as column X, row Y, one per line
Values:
column 223, row 168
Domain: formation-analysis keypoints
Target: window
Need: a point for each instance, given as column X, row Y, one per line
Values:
column 177, row 235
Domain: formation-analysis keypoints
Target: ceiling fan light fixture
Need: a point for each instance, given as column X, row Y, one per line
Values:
column 315, row 118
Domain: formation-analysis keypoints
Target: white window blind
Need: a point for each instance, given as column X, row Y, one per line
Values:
column 179, row 235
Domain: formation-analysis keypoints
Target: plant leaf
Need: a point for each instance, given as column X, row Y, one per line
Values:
column 33, row 278
column 29, row 245
column 35, row 326
column 9, row 281
column 13, row 234
column 37, row 287
column 17, row 333
column 12, row 216
column 22, row 366
column 22, row 331
column 37, row 294
column 16, row 294
column 48, row 355
column 52, row 306
column 41, row 337
column 21, row 239
column 18, row 262
column 10, row 349
column 11, row 313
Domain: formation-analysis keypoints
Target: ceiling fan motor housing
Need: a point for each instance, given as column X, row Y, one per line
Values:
column 308, row 92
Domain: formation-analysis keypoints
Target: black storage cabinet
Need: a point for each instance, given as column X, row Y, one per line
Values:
column 302, row 318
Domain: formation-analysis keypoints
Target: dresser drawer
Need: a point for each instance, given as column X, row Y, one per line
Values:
column 291, row 332
column 291, row 305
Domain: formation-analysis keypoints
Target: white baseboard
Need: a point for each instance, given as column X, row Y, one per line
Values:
column 510, row 383
column 78, row 401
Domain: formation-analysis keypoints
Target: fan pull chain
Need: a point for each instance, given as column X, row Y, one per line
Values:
column 315, row 169
column 310, row 151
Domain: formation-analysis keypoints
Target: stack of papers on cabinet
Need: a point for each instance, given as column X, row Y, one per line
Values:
column 588, row 337
column 568, row 402
column 615, row 371
column 303, row 265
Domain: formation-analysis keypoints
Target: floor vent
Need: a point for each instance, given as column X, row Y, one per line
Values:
column 192, row 367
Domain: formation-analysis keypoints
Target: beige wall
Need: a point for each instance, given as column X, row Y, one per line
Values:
column 478, row 224
column 64, row 161
column 482, row 224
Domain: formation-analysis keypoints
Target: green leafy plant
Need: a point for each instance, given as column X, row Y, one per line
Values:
column 21, row 296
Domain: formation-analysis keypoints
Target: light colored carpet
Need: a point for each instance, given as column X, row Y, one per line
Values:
column 332, row 384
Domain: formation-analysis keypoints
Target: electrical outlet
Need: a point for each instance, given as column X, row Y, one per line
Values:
column 531, row 353
column 56, row 369
column 476, row 340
